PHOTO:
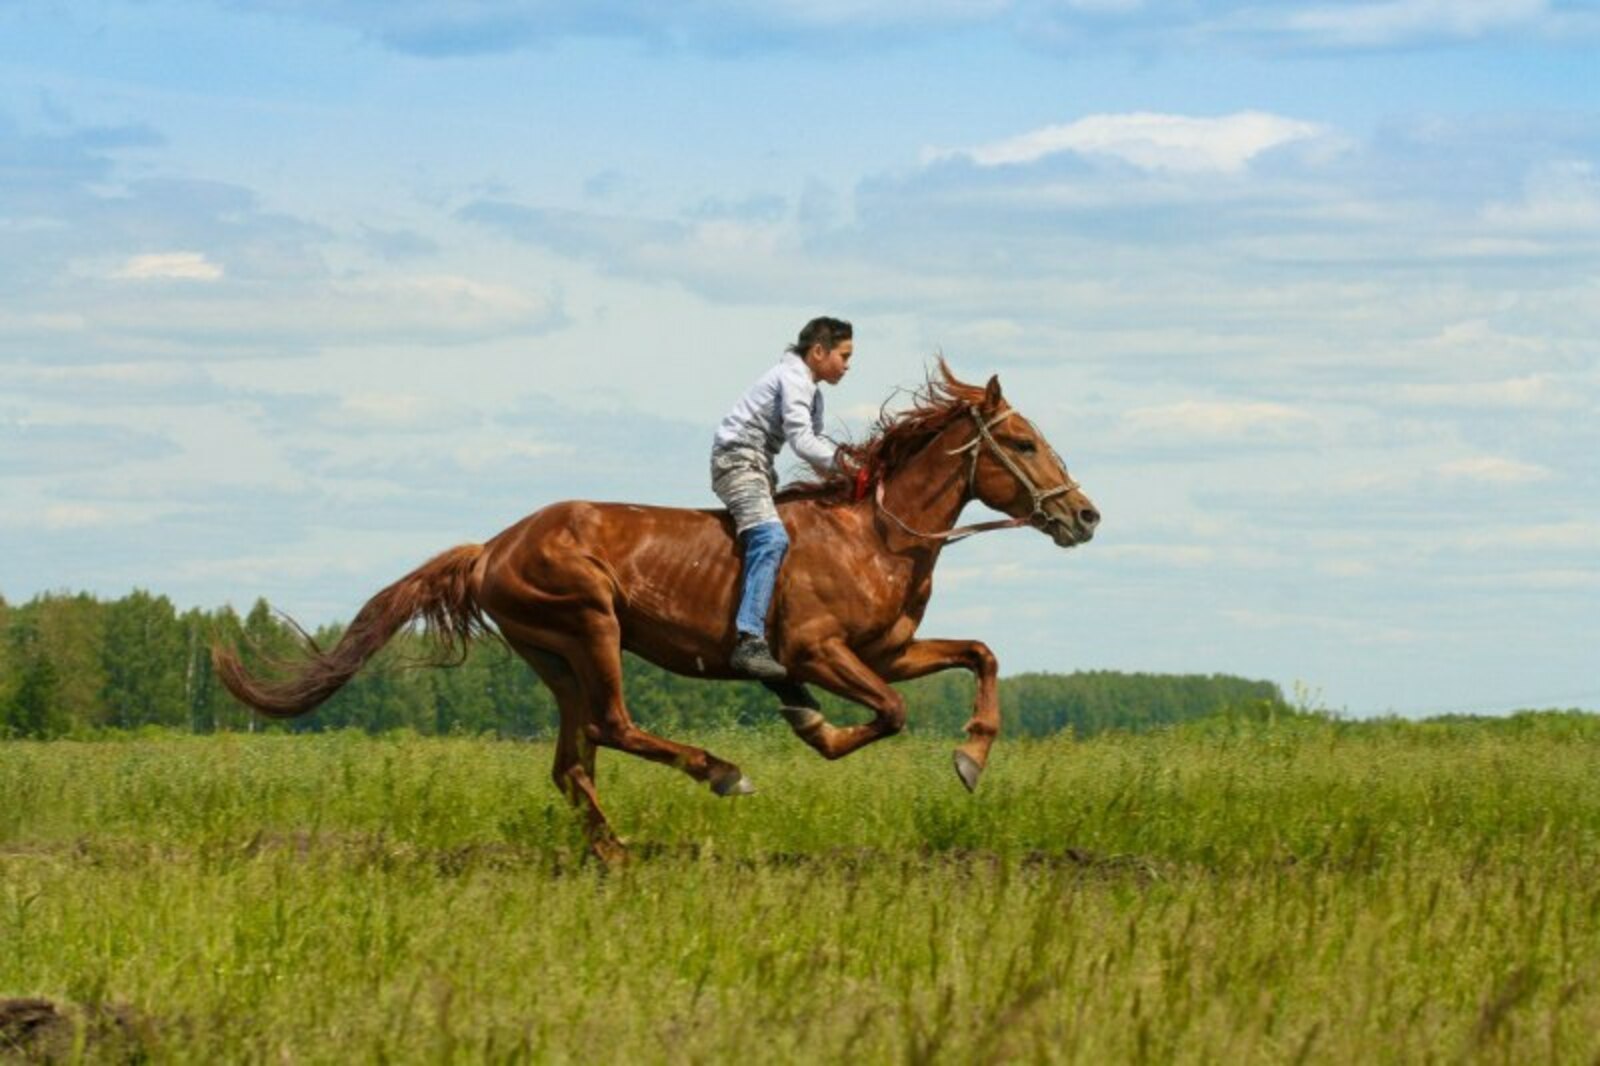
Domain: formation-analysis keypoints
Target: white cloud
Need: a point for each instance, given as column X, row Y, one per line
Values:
column 1577, row 536
column 396, row 409
column 1559, row 197
column 74, row 516
column 478, row 456
column 491, row 26
column 1557, row 579
column 1156, row 142
column 160, row 266
column 269, row 570
column 1376, row 24
column 1347, row 568
column 856, row 13
column 1493, row 470
column 1530, row 353
column 35, row 322
column 1530, row 392
column 1215, row 420
column 232, row 319
column 1360, row 631
column 432, row 304
column 39, row 517
column 110, row 377
column 989, row 573
column 1183, row 556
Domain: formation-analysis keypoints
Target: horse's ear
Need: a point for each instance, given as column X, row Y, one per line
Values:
column 991, row 393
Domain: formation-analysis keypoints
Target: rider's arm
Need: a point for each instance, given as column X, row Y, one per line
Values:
column 799, row 427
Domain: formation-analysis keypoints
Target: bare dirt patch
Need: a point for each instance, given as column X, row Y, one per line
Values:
column 37, row 1030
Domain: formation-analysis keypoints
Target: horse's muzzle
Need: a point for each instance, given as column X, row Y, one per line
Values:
column 1069, row 525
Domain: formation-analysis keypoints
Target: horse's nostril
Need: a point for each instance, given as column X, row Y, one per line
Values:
column 1089, row 516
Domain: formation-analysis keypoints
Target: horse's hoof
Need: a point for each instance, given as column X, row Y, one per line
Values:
column 609, row 850
column 733, row 786
column 967, row 769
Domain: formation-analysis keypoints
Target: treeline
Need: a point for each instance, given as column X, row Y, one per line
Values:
column 75, row 665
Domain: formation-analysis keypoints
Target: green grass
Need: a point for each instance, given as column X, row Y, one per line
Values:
column 1242, row 892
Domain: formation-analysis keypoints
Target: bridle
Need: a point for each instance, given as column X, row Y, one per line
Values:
column 1038, row 518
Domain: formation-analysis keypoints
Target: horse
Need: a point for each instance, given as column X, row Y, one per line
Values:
column 573, row 585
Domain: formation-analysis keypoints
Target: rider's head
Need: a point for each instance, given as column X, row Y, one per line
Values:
column 826, row 345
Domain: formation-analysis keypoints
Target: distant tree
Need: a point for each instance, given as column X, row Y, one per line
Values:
column 143, row 657
column 70, row 631
column 200, row 687
column 70, row 662
column 390, row 692
column 32, row 705
column 8, row 668
column 215, row 710
column 522, row 705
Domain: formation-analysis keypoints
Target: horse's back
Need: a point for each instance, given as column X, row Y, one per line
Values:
column 616, row 529
column 670, row 575
column 655, row 568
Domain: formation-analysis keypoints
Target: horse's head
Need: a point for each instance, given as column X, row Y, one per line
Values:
column 1012, row 468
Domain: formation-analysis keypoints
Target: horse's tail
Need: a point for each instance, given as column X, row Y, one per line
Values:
column 441, row 592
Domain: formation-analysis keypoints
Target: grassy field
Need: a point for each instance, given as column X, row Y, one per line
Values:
column 1245, row 892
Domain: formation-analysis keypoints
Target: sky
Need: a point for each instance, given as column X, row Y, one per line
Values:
column 1307, row 294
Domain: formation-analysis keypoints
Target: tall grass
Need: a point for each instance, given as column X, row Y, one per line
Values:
column 1243, row 892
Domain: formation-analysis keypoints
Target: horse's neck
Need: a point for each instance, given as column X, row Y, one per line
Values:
column 927, row 493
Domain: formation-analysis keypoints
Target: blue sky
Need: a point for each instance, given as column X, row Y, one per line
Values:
column 1307, row 294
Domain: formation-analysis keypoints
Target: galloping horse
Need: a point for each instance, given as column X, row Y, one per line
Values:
column 574, row 584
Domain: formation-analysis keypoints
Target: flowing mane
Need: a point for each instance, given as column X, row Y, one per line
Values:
column 896, row 436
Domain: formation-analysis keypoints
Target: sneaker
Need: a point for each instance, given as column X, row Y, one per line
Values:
column 753, row 658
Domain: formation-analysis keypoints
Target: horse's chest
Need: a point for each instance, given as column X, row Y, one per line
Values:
column 918, row 590
column 894, row 623
column 908, row 590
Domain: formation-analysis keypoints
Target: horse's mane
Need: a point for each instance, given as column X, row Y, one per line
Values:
column 895, row 437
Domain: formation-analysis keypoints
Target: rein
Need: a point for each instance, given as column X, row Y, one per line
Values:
column 1038, row 517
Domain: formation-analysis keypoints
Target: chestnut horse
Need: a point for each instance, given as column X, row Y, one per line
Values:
column 574, row 584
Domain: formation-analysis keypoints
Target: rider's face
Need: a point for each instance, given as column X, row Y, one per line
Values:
column 830, row 364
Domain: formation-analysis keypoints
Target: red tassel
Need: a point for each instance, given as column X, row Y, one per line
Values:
column 863, row 479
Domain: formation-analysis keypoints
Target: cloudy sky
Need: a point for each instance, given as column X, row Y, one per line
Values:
column 294, row 294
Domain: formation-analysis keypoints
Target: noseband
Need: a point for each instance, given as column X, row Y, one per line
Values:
column 1038, row 518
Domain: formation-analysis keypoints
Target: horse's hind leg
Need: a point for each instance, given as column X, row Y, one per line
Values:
column 598, row 666
column 574, row 768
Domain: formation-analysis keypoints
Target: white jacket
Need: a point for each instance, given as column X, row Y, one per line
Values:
column 783, row 405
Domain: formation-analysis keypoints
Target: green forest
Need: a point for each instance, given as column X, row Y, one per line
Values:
column 75, row 665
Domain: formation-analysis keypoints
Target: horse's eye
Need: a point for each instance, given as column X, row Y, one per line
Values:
column 1025, row 447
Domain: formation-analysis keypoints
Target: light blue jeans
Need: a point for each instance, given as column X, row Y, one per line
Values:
column 744, row 480
column 764, row 547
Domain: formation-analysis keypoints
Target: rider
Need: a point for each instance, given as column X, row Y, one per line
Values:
column 784, row 404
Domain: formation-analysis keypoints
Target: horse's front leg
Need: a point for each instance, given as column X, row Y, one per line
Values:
column 834, row 666
column 923, row 657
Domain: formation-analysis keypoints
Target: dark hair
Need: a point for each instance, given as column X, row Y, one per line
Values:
column 828, row 332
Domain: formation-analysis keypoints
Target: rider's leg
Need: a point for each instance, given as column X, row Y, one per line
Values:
column 743, row 480
column 763, row 546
